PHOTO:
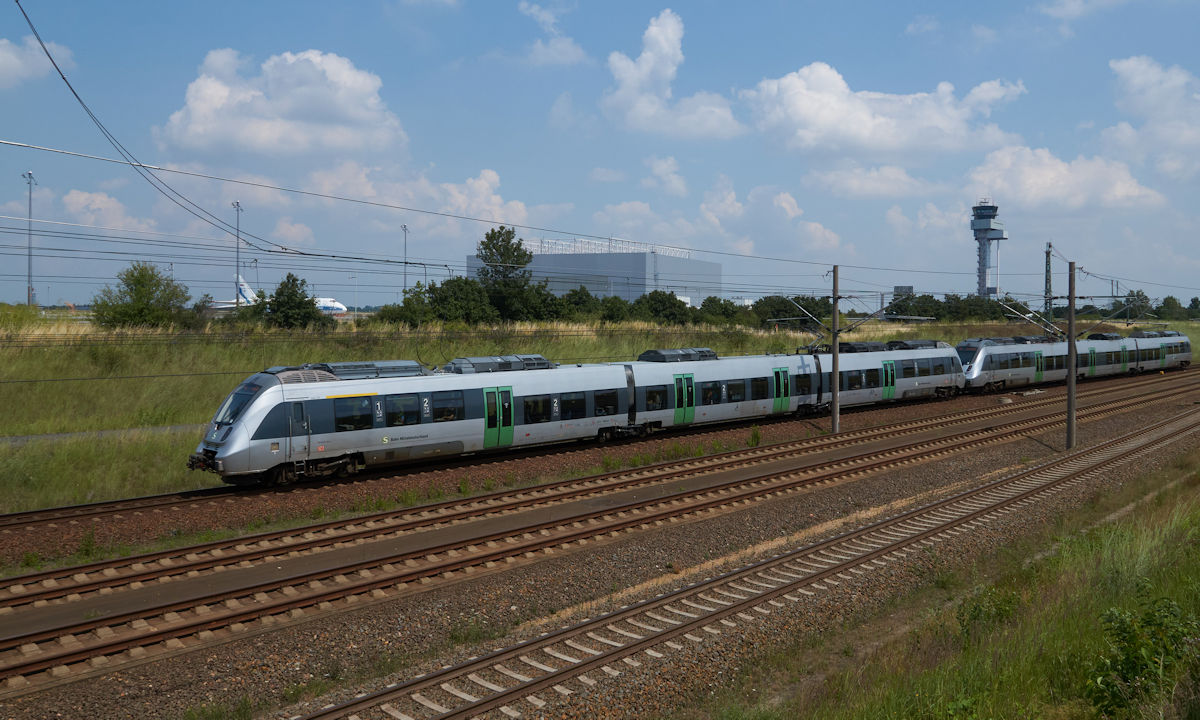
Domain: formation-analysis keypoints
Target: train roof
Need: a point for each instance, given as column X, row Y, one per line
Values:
column 497, row 363
column 325, row 372
column 678, row 355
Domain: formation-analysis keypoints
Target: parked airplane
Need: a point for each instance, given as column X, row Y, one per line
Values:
column 329, row 306
column 247, row 297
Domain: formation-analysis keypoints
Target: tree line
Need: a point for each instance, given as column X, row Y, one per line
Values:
column 503, row 290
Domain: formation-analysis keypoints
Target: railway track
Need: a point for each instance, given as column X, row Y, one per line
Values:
column 46, row 639
column 219, row 497
column 576, row 658
column 76, row 581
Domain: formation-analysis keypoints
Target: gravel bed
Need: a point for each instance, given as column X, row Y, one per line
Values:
column 594, row 579
column 141, row 529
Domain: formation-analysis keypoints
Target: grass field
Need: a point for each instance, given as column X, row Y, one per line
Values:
column 1102, row 625
column 68, row 377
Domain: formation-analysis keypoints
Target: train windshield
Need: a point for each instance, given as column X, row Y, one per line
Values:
column 236, row 403
column 966, row 353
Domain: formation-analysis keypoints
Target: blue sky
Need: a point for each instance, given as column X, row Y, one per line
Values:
column 777, row 138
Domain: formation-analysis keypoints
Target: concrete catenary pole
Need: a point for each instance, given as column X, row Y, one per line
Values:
column 1072, row 358
column 834, row 377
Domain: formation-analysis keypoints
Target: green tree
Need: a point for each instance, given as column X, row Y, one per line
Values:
column 503, row 273
column 461, row 299
column 662, row 307
column 290, row 306
column 773, row 307
column 614, row 309
column 581, row 304
column 719, row 311
column 144, row 296
column 414, row 311
column 1172, row 309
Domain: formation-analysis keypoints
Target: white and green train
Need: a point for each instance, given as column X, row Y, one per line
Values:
column 290, row 423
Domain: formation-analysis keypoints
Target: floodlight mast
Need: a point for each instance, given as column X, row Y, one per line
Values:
column 29, row 180
column 237, row 256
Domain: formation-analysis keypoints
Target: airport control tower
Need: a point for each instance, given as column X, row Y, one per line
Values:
column 987, row 230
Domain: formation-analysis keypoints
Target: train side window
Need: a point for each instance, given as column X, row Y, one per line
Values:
column 956, row 364
column 275, row 424
column 802, row 385
column 1026, row 360
column 710, row 393
column 537, row 409
column 574, row 405
column 606, row 402
column 924, row 367
column 871, row 378
column 851, row 379
column 939, row 366
column 402, row 410
column 736, row 390
column 448, row 406
column 352, row 413
column 656, row 397
column 760, row 388
column 908, row 368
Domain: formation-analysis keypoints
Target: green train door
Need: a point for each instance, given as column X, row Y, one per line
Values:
column 1124, row 359
column 782, row 388
column 1091, row 361
column 889, row 379
column 498, row 417
column 685, row 399
column 1162, row 355
column 1039, row 366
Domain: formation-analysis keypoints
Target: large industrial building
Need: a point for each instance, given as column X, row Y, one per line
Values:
column 617, row 267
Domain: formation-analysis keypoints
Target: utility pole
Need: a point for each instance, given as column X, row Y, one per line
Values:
column 835, row 378
column 405, row 229
column 29, row 238
column 1049, row 293
column 1072, row 358
column 355, row 278
column 237, row 256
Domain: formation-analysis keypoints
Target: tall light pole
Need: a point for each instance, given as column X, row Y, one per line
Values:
column 354, row 277
column 405, row 229
column 29, row 237
column 237, row 256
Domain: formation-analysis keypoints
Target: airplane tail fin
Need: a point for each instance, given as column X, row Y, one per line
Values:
column 245, row 292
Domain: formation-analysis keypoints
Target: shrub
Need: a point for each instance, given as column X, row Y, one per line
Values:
column 1144, row 653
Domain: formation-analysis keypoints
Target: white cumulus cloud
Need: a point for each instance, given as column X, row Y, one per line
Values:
column 1036, row 178
column 556, row 49
column 26, row 61
column 1167, row 102
column 102, row 209
column 297, row 103
column 664, row 175
column 1075, row 9
column 814, row 107
column 293, row 233
column 883, row 181
column 641, row 98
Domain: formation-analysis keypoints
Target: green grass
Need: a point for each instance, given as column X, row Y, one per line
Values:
column 85, row 379
column 1027, row 640
column 51, row 473
column 89, row 380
